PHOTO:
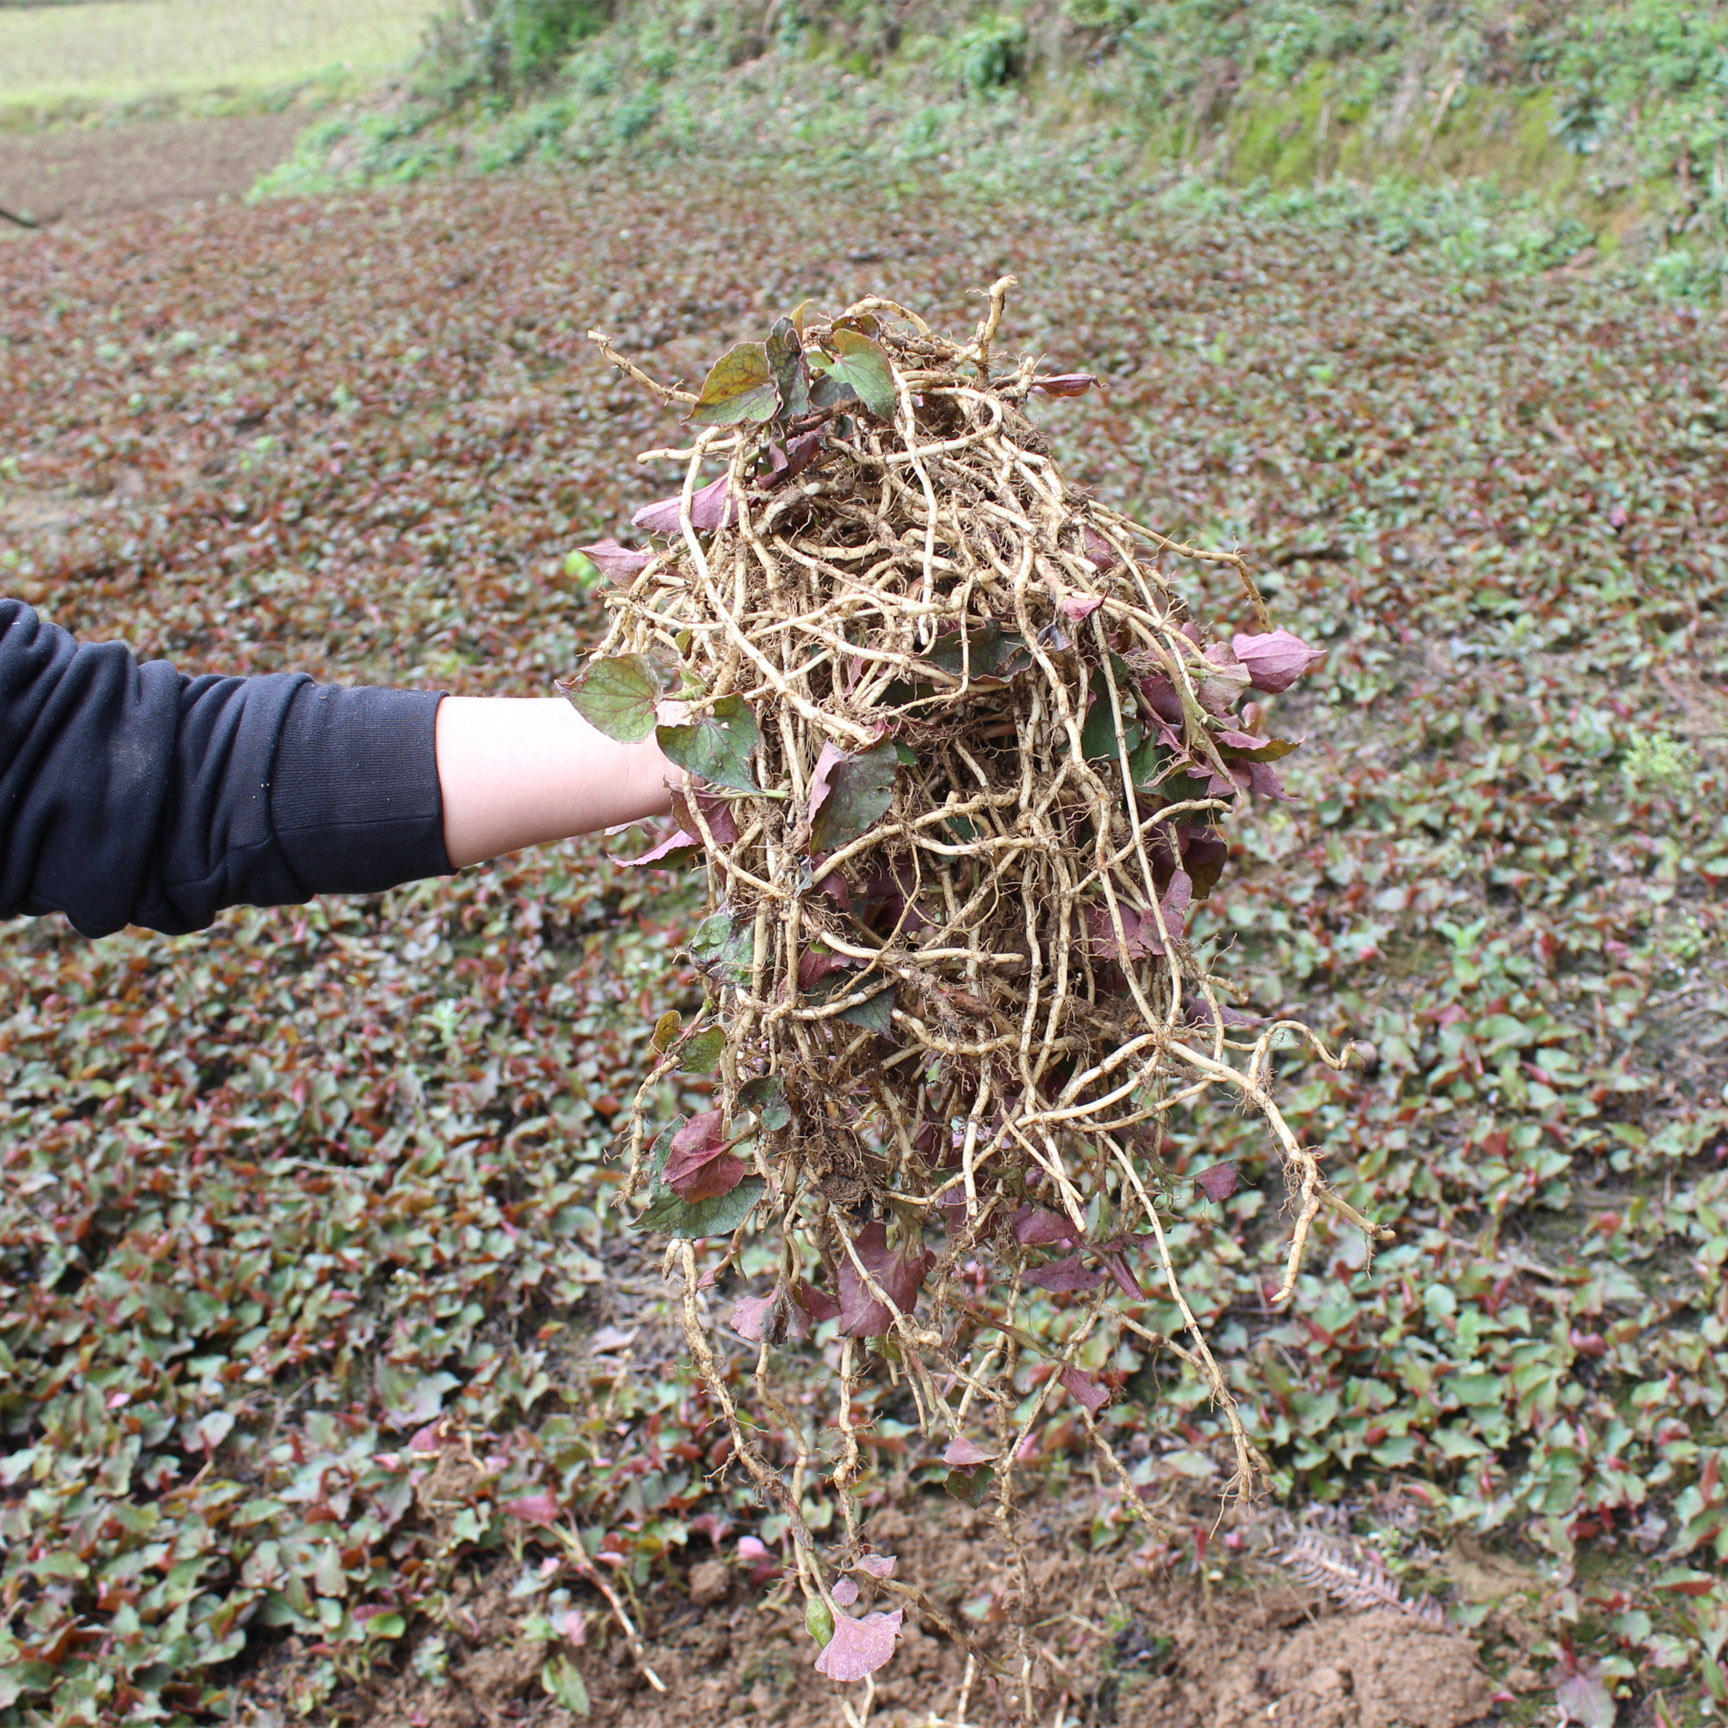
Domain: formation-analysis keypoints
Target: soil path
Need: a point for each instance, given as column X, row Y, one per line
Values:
column 74, row 173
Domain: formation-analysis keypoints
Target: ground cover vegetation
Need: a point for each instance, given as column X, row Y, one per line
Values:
column 1512, row 139
column 318, row 1301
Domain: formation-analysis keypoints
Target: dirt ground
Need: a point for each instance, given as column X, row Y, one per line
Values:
column 1119, row 1643
column 73, row 173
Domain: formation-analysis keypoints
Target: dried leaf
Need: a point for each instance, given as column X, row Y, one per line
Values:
column 790, row 370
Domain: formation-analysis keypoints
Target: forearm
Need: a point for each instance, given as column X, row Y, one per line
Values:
column 516, row 772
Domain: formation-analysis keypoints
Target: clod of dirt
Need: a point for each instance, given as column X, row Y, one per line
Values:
column 710, row 1582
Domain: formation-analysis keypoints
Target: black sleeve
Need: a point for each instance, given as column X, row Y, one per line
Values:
column 131, row 794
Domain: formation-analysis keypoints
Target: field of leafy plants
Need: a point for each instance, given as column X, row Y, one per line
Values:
column 316, row 1302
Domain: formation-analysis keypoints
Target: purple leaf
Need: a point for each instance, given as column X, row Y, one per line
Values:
column 716, row 812
column 710, row 508
column 677, row 848
column 1079, row 607
column 1275, row 660
column 814, row 967
column 963, row 1452
column 614, row 562
column 859, row 1647
column 534, row 1509
column 900, row 1275
column 1084, row 1388
column 1115, row 1262
column 700, row 1166
column 1584, row 1699
column 1219, row 687
column 789, row 463
column 1066, row 1276
column 878, row 1565
column 845, row 1592
column 1099, row 550
column 750, row 1316
column 1066, row 383
column 817, row 1304
column 850, row 794
column 1204, row 856
column 1217, row 1181
column 1034, row 1227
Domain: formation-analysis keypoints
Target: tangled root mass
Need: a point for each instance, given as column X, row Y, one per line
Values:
column 959, row 764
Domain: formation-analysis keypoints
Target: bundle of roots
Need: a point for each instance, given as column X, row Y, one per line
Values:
column 958, row 760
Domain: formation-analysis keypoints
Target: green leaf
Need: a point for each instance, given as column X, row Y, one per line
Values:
column 766, row 1095
column 849, row 795
column 20, row 1677
column 717, row 1217
column 718, row 747
column 740, row 387
column 861, row 364
column 972, row 1487
column 617, row 697
column 790, row 369
column 718, row 944
column 818, row 1620
column 1098, row 737
column 876, row 1012
column 386, row 1626
column 562, row 1681
column 701, row 1055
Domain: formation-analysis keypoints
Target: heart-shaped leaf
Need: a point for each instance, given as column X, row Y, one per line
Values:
column 860, row 1646
column 701, row 1165
column 718, row 747
column 739, row 388
column 861, row 365
column 617, row 697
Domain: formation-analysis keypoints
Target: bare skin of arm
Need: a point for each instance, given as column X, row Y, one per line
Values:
column 518, row 772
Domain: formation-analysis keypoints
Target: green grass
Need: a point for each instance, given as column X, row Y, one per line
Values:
column 124, row 51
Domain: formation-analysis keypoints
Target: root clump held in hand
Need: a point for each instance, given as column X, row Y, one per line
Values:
column 960, row 764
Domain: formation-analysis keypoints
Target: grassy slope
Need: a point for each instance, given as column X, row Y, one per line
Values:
column 277, row 1194
column 1518, row 142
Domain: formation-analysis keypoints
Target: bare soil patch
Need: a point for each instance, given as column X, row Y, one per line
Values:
column 73, row 173
column 1128, row 1644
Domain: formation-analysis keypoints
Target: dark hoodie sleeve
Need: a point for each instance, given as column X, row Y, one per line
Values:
column 131, row 794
